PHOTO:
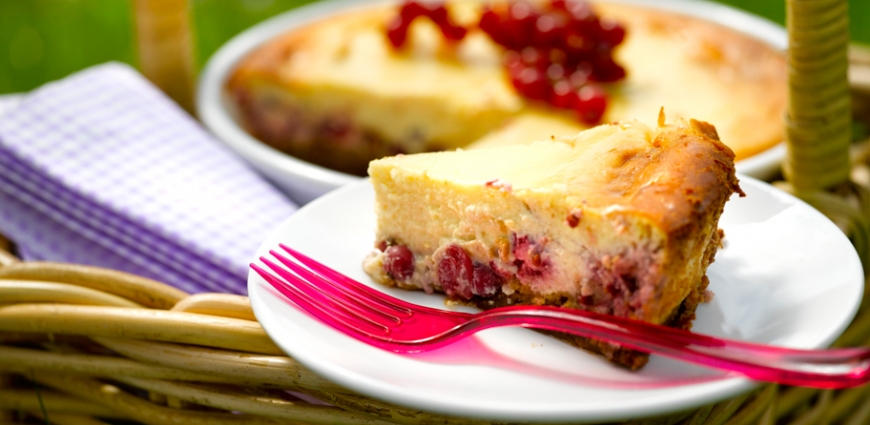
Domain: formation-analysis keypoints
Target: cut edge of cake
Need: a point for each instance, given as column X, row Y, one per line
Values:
column 624, row 221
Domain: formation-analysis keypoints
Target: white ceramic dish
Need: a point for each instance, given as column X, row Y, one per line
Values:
column 787, row 276
column 304, row 181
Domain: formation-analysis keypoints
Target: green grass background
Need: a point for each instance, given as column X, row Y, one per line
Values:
column 43, row 40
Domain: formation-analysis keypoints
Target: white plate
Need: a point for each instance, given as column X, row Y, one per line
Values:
column 787, row 276
column 304, row 181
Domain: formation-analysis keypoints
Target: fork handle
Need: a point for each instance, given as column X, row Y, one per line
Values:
column 841, row 368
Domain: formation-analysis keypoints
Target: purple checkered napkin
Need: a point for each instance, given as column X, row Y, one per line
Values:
column 40, row 238
column 101, row 168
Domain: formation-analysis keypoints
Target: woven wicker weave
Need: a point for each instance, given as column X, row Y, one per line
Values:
column 87, row 345
column 84, row 345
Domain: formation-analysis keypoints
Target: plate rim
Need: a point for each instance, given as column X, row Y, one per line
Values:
column 712, row 391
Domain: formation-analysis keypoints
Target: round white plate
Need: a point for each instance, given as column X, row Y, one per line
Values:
column 786, row 276
column 304, row 181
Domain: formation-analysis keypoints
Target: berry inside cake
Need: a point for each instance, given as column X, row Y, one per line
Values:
column 621, row 219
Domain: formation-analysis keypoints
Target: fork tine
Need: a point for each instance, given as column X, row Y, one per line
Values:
column 349, row 286
column 329, row 289
column 302, row 282
column 290, row 291
column 335, row 313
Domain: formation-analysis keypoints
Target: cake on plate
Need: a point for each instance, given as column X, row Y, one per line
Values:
column 382, row 80
column 620, row 219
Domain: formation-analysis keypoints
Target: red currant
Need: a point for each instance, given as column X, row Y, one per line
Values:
column 564, row 96
column 582, row 15
column 607, row 71
column 578, row 43
column 453, row 32
column 399, row 262
column 591, row 103
column 580, row 76
column 610, row 33
column 558, row 55
column 397, row 31
column 520, row 24
column 555, row 72
column 491, row 23
column 549, row 29
column 456, row 272
column 411, row 10
column 532, row 83
column 485, row 282
column 552, row 54
column 438, row 14
column 535, row 58
column 558, row 5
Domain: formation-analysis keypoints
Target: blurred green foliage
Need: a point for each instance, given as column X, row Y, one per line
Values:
column 43, row 40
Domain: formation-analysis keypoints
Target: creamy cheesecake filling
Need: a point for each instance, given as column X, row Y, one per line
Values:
column 620, row 219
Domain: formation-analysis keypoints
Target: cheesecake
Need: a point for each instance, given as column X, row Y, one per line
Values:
column 337, row 93
column 620, row 219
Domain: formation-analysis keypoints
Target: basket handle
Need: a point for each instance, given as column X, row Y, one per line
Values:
column 818, row 121
column 165, row 47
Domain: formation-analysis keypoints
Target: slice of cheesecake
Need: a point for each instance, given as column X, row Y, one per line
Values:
column 620, row 219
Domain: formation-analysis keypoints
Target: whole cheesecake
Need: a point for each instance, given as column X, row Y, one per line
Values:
column 337, row 93
column 621, row 219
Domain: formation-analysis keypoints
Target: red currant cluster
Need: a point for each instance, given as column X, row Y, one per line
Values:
column 558, row 54
column 555, row 55
column 397, row 29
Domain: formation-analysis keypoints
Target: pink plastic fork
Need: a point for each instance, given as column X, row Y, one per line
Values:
column 392, row 324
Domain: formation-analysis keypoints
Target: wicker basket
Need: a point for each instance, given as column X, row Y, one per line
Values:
column 83, row 345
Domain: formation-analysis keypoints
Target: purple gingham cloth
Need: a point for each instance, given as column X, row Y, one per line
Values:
column 101, row 168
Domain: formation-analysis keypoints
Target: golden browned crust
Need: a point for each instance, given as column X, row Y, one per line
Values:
column 683, row 189
column 267, row 61
column 743, row 63
column 688, row 181
column 687, row 201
